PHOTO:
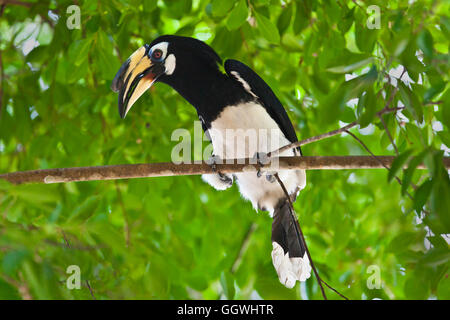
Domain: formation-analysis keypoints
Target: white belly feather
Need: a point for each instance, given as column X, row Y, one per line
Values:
column 241, row 131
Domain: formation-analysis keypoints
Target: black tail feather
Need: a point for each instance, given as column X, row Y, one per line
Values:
column 285, row 232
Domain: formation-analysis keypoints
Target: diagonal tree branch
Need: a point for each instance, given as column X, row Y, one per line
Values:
column 327, row 134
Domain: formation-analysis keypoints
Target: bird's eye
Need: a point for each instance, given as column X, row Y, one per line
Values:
column 157, row 54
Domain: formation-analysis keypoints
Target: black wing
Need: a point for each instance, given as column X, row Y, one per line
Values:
column 259, row 88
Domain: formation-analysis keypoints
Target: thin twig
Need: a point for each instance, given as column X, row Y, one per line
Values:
column 431, row 103
column 323, row 281
column 312, row 139
column 300, row 236
column 377, row 158
column 367, row 149
column 66, row 240
column 388, row 134
column 326, row 135
column 90, row 290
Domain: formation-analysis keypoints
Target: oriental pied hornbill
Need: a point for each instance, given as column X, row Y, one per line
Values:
column 226, row 103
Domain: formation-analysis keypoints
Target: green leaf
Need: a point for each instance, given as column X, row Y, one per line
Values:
column 434, row 90
column 439, row 200
column 351, row 67
column 348, row 115
column 85, row 209
column 425, row 42
column 411, row 101
column 237, row 16
column 8, row 292
column 409, row 59
column 347, row 20
column 302, row 16
column 78, row 51
column 435, row 257
column 422, row 194
column 404, row 241
column 227, row 282
column 221, row 7
column 284, row 20
column 445, row 137
column 416, row 287
column 407, row 176
column 398, row 163
column 13, row 259
column 365, row 37
column 149, row 5
column 443, row 289
column 366, row 108
column 34, row 194
column 38, row 54
column 268, row 30
column 107, row 62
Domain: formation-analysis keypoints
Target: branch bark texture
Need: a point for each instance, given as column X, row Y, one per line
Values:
column 130, row 171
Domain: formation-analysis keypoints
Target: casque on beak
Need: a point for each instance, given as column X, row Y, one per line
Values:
column 134, row 77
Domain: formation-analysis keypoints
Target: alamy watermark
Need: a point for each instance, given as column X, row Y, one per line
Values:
column 374, row 20
column 74, row 280
column 74, row 19
column 374, row 280
column 230, row 146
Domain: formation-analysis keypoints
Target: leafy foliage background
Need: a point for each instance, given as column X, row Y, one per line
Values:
column 176, row 237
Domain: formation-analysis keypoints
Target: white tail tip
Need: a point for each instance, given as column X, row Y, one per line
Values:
column 290, row 270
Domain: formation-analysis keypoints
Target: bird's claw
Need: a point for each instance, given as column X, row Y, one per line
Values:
column 261, row 159
column 213, row 161
column 271, row 177
column 225, row 178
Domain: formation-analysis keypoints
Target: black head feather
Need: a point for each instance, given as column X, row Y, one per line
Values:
column 191, row 47
column 198, row 78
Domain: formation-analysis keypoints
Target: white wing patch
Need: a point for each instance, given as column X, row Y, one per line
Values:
column 244, row 83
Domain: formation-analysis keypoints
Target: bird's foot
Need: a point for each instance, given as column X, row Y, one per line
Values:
column 270, row 176
column 218, row 180
column 213, row 161
column 262, row 160
column 226, row 179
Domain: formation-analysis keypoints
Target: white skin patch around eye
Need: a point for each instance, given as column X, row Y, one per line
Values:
column 169, row 61
column 161, row 46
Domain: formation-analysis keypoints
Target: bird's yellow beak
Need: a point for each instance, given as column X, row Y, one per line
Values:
column 134, row 77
